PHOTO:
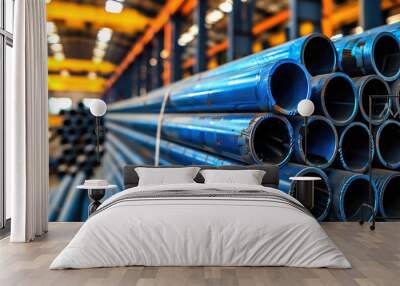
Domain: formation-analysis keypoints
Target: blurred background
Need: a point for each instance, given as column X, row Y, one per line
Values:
column 121, row 49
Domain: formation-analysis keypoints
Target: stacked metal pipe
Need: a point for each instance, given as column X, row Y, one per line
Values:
column 76, row 162
column 245, row 112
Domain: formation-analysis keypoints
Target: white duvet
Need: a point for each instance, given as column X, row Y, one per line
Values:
column 190, row 231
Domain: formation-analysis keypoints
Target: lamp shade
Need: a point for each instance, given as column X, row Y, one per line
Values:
column 98, row 108
column 305, row 108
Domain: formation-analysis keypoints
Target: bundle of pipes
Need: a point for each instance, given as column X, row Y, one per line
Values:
column 76, row 162
column 215, row 118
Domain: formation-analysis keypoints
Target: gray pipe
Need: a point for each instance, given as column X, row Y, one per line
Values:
column 387, row 144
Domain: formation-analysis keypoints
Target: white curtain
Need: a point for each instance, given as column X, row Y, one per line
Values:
column 26, row 124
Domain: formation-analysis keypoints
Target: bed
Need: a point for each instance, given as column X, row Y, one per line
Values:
column 197, row 224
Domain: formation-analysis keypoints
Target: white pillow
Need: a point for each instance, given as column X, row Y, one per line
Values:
column 166, row 176
column 247, row 177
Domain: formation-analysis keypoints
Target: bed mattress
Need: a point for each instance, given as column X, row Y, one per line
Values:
column 201, row 225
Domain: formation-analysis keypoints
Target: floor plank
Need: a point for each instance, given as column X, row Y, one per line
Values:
column 375, row 257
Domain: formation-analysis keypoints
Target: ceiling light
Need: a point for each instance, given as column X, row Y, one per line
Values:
column 65, row 73
column 59, row 56
column 92, row 75
column 101, row 45
column 393, row 19
column 113, row 6
column 194, row 30
column 48, row 1
column 164, row 54
column 99, row 53
column 53, row 39
column 104, row 35
column 51, row 27
column 358, row 30
column 214, row 16
column 56, row 104
column 181, row 42
column 226, row 6
column 153, row 62
column 56, row 47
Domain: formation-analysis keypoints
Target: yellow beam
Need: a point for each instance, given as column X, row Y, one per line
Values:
column 58, row 83
column 76, row 16
column 80, row 65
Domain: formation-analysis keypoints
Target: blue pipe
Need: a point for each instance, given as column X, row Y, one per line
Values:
column 350, row 192
column 278, row 87
column 125, row 151
column 322, row 141
column 392, row 28
column 373, row 85
column 71, row 208
column 395, row 88
column 388, row 185
column 356, row 144
column 249, row 138
column 315, row 51
column 61, row 193
column 387, row 144
column 169, row 150
column 369, row 53
column 322, row 194
column 334, row 96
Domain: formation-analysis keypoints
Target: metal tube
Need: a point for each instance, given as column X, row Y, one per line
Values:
column 355, row 144
column 59, row 196
column 370, row 53
column 322, row 194
column 277, row 87
column 184, row 155
column 315, row 51
column 334, row 96
column 125, row 151
column 322, row 142
column 387, row 144
column 71, row 208
column 249, row 138
column 373, row 85
column 350, row 195
column 388, row 185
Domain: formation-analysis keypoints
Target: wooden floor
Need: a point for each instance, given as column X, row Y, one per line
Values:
column 375, row 257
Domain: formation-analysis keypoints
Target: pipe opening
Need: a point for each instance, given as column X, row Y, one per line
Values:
column 388, row 143
column 322, row 194
column 355, row 147
column 356, row 195
column 387, row 55
column 272, row 140
column 321, row 142
column 287, row 96
column 380, row 106
column 391, row 197
column 319, row 56
column 339, row 99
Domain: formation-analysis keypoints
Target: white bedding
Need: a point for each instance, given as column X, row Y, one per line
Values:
column 188, row 231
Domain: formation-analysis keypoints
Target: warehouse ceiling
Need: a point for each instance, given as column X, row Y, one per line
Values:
column 87, row 43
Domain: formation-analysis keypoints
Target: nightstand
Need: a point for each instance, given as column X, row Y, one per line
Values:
column 95, row 193
column 304, row 190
